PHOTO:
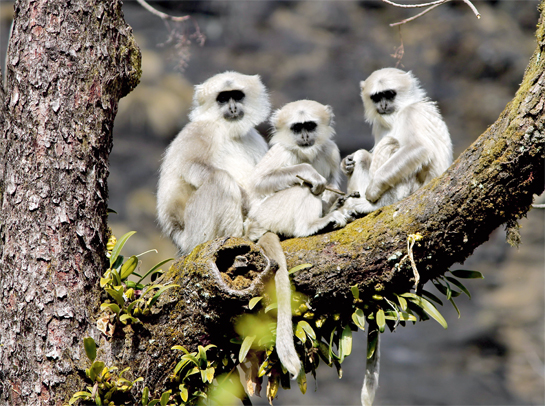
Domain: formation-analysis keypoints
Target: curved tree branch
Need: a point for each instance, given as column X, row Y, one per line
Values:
column 492, row 182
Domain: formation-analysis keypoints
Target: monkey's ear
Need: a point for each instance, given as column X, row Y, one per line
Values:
column 362, row 84
column 274, row 119
column 329, row 111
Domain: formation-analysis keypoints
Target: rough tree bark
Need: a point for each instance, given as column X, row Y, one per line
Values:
column 68, row 65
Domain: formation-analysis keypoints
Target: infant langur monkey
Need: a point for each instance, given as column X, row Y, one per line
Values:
column 203, row 182
column 289, row 191
column 412, row 142
column 412, row 146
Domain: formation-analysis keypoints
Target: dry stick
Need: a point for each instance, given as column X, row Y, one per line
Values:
column 431, row 6
column 158, row 13
column 326, row 188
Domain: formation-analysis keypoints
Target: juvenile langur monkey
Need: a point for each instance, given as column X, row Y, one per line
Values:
column 412, row 146
column 203, row 181
column 288, row 188
column 412, row 142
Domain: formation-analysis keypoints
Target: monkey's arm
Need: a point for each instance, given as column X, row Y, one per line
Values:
column 404, row 163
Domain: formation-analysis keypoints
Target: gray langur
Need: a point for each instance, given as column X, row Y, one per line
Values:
column 412, row 146
column 203, row 182
column 288, row 189
column 412, row 142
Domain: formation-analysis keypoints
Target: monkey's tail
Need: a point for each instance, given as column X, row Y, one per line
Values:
column 372, row 369
column 285, row 346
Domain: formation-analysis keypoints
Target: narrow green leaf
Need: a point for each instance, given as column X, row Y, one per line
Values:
column 180, row 365
column 245, row 347
column 128, row 267
column 459, row 285
column 330, row 353
column 372, row 339
column 431, row 296
column 402, row 303
column 254, row 301
column 300, row 333
column 358, row 317
column 440, row 287
column 355, row 291
column 466, row 274
column 145, row 396
column 398, row 316
column 184, row 393
column 192, row 358
column 179, row 347
column 154, row 269
column 154, row 402
column 299, row 268
column 118, row 297
column 159, row 293
column 381, row 320
column 456, row 307
column 119, row 246
column 202, row 357
column 308, row 329
column 96, row 370
column 210, row 374
column 271, row 307
column 428, row 308
column 302, row 382
column 112, row 306
column 125, row 318
column 165, row 397
column 345, row 343
column 90, row 348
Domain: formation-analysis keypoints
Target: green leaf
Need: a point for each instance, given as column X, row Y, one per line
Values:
column 431, row 296
column 119, row 245
column 145, row 396
column 165, row 397
column 456, row 307
column 208, row 374
column 125, row 318
column 330, row 352
column 245, row 347
column 300, row 333
column 80, row 395
column 372, row 339
column 128, row 267
column 381, row 320
column 112, row 306
column 254, row 301
column 95, row 370
column 402, row 303
column 201, row 356
column 180, row 365
column 465, row 274
column 428, row 308
column 271, row 307
column 118, row 297
column 154, row 269
column 184, row 393
column 358, row 317
column 159, row 293
column 398, row 316
column 355, row 291
column 459, row 285
column 299, row 267
column 302, row 382
column 90, row 348
column 308, row 329
column 153, row 402
column 345, row 343
column 179, row 347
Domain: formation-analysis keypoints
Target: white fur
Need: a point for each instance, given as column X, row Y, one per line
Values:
column 205, row 171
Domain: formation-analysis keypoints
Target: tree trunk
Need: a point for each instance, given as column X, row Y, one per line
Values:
column 68, row 64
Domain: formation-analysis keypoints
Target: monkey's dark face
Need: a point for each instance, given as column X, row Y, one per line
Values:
column 231, row 104
column 384, row 101
column 304, row 133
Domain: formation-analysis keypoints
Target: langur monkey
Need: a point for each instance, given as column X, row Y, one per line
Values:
column 412, row 142
column 412, row 146
column 203, row 181
column 288, row 189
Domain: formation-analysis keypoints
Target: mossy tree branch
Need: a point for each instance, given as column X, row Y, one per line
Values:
column 492, row 182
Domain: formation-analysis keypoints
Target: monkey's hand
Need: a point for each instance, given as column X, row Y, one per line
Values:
column 341, row 200
column 315, row 181
column 348, row 164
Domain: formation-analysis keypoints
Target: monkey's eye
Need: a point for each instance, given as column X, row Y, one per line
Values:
column 224, row 97
column 387, row 94
column 308, row 126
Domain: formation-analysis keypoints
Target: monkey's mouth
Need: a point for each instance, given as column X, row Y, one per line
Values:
column 385, row 111
column 233, row 116
column 305, row 144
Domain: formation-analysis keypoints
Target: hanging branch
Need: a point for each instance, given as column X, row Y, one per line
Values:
column 160, row 14
column 431, row 5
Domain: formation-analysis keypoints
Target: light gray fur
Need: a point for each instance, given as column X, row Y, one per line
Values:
column 202, row 190
column 412, row 143
column 286, row 205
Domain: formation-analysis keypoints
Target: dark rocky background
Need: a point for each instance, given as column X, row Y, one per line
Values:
column 494, row 354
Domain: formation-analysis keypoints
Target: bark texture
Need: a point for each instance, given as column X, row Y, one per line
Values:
column 68, row 64
column 492, row 182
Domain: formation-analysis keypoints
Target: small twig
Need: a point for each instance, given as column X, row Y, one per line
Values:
column 431, row 5
column 158, row 13
column 326, row 188
column 411, row 239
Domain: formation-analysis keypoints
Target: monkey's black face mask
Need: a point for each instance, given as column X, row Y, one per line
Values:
column 304, row 133
column 384, row 101
column 231, row 104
